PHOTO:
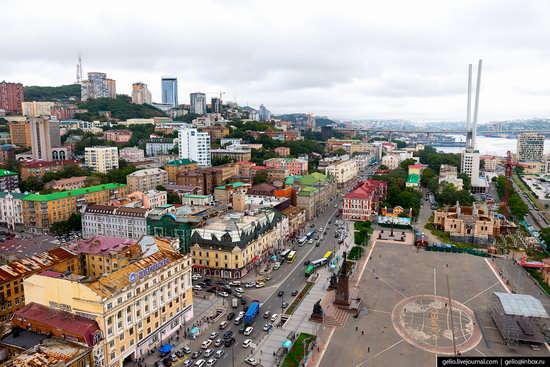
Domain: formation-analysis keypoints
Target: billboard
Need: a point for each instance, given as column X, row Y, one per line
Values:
column 383, row 219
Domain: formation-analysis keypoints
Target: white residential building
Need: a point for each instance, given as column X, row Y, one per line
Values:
column 114, row 221
column 530, row 147
column 131, row 154
column 390, row 161
column 101, row 159
column 344, row 172
column 11, row 209
column 159, row 146
column 195, row 145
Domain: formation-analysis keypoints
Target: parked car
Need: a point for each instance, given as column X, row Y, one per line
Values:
column 267, row 327
column 197, row 287
column 260, row 284
column 208, row 353
column 223, row 294
column 243, row 301
column 231, row 316
column 218, row 342
column 196, row 354
column 187, row 363
column 201, row 363
column 214, row 335
column 211, row 362
column 223, row 325
column 205, row 344
column 239, row 290
column 250, row 285
column 180, row 354
column 248, row 330
column 266, row 314
column 251, row 361
column 247, row 343
column 242, row 329
column 186, row 350
column 274, row 317
column 219, row 353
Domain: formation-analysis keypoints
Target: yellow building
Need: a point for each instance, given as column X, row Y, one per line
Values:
column 174, row 168
column 41, row 211
column 137, row 307
column 231, row 246
column 343, row 171
column 20, row 133
column 14, row 273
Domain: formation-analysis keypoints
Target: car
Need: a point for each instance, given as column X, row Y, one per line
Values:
column 219, row 353
column 205, row 344
column 268, row 277
column 248, row 330
column 214, row 335
column 234, row 283
column 187, row 363
column 312, row 225
column 266, row 314
column 186, row 350
column 260, row 285
column 207, row 281
column 211, row 362
column 241, row 313
column 336, row 206
column 238, row 320
column 310, row 241
column 294, row 293
column 227, row 289
column 180, row 354
column 251, row 361
column 318, row 244
column 307, row 262
column 218, row 342
column 223, row 325
column 284, row 305
column 167, row 362
column 223, row 294
column 196, row 354
column 242, row 329
column 325, row 232
column 336, row 235
column 330, row 222
column 280, row 294
column 197, row 287
column 239, row 290
column 228, row 334
column 274, row 317
column 250, row 285
column 208, row 353
column 200, row 363
column 196, row 276
column 231, row 316
column 247, row 343
column 243, row 301
column 173, row 357
column 229, row 342
column 276, row 266
column 267, row 327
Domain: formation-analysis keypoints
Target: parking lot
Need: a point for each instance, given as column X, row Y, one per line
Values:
column 408, row 318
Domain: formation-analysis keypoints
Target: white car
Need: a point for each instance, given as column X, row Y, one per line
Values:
column 276, row 266
column 247, row 343
column 208, row 353
column 235, row 283
column 241, row 314
column 214, row 335
column 239, row 290
column 218, row 342
column 201, row 362
column 251, row 361
column 260, row 285
column 250, row 285
column 248, row 330
column 197, row 288
column 205, row 344
column 274, row 317
column 310, row 241
column 223, row 294
column 196, row 276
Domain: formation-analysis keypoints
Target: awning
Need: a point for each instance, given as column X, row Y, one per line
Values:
column 287, row 344
column 195, row 330
column 166, row 348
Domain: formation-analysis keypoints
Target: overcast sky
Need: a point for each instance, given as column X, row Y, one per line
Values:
column 345, row 59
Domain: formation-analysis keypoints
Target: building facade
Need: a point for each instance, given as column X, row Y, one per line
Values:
column 282, row 151
column 40, row 168
column 9, row 181
column 391, row 161
column 146, row 179
column 363, row 202
column 530, row 147
column 294, row 166
column 198, row 103
column 70, row 183
column 11, row 209
column 296, row 220
column 231, row 246
column 137, row 307
column 106, row 220
column 41, row 211
column 11, row 97
column 118, row 135
column 343, row 172
column 36, row 109
column 141, row 94
column 169, row 86
column 159, row 146
column 131, row 154
column 46, row 140
column 315, row 192
column 101, row 159
column 175, row 167
column 96, row 86
column 232, row 153
column 20, row 133
column 216, row 132
column 195, row 145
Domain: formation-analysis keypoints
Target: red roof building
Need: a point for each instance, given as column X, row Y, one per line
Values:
column 364, row 201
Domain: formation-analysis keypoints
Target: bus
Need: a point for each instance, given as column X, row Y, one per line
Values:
column 291, row 256
column 302, row 240
column 319, row 262
column 285, row 253
column 310, row 233
column 328, row 255
column 309, row 270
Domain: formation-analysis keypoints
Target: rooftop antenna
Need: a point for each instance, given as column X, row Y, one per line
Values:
column 476, row 106
column 79, row 70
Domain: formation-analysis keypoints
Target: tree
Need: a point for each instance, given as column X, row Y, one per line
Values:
column 120, row 107
column 406, row 163
column 340, row 151
column 545, row 235
column 61, row 93
column 427, row 175
column 466, row 181
column 33, row 183
column 74, row 223
column 261, row 176
column 173, row 198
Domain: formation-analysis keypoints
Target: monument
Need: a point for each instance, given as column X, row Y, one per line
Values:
column 318, row 314
column 333, row 282
column 342, row 298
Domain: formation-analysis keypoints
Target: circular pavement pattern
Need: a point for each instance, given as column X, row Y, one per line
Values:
column 425, row 322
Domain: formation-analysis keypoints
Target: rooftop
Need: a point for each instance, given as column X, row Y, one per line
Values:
column 19, row 248
column 75, row 192
column 521, row 305
column 61, row 320
column 39, row 164
column 101, row 245
column 413, row 178
column 16, row 195
column 146, row 172
column 180, row 162
column 35, row 263
column 49, row 352
column 233, row 185
column 5, row 172
column 113, row 210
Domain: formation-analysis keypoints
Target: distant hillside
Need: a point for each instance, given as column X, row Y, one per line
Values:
column 121, row 108
column 302, row 117
column 61, row 93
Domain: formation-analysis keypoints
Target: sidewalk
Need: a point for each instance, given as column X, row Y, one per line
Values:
column 299, row 321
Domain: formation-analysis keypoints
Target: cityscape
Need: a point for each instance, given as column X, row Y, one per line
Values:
column 155, row 215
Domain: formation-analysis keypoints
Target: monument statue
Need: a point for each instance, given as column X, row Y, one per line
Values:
column 318, row 313
column 333, row 281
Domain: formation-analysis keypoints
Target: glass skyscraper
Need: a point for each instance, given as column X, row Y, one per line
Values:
column 170, row 90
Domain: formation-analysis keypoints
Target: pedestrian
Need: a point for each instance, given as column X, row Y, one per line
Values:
column 368, row 349
column 362, row 332
column 261, row 352
column 357, row 328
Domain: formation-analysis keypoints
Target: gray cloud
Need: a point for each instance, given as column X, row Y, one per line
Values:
column 350, row 59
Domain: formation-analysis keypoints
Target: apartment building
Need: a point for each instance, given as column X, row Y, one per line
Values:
column 20, row 133
column 41, row 211
column 118, row 135
column 106, row 220
column 9, row 180
column 343, row 172
column 11, row 209
column 175, row 167
column 159, row 146
column 195, row 145
column 530, row 147
column 364, row 201
column 40, row 168
column 101, row 159
column 232, row 153
column 294, row 166
column 131, row 154
column 70, row 183
column 146, row 179
column 35, row 109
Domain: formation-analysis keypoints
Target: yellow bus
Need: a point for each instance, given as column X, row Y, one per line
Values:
column 328, row 255
column 291, row 256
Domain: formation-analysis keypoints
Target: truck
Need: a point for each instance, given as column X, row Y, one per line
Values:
column 235, row 302
column 252, row 312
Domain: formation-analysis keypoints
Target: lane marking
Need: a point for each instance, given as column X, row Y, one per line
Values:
column 480, row 293
column 477, row 350
column 498, row 276
column 435, row 284
column 376, row 355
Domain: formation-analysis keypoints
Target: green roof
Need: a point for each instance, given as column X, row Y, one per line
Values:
column 313, row 178
column 233, row 184
column 307, row 190
column 413, row 178
column 180, row 162
column 75, row 192
column 194, row 196
column 16, row 195
column 291, row 179
column 5, row 172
